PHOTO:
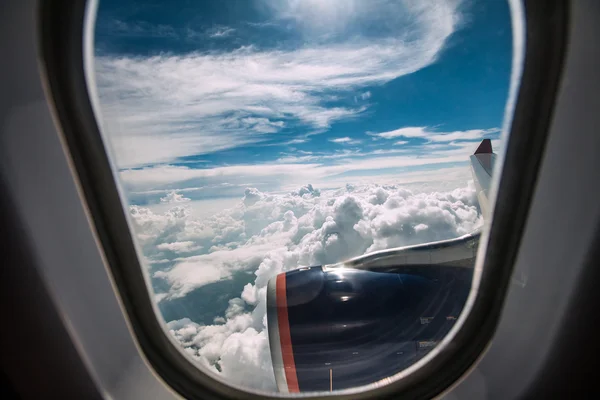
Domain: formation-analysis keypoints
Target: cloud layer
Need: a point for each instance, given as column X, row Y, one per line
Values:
column 434, row 135
column 270, row 233
column 401, row 163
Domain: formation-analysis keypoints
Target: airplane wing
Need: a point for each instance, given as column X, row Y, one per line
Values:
column 359, row 321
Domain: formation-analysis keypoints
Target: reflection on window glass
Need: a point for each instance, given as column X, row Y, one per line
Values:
column 264, row 145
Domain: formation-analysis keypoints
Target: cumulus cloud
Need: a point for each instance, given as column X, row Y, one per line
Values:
column 307, row 190
column 268, row 233
column 174, row 197
column 178, row 247
column 162, row 107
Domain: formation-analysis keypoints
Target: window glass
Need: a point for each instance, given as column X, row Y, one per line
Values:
column 263, row 145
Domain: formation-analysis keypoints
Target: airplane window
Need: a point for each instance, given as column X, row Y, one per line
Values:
column 306, row 180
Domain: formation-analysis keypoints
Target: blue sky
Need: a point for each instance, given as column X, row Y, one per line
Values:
column 210, row 97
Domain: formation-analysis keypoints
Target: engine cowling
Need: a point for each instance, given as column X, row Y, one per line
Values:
column 338, row 327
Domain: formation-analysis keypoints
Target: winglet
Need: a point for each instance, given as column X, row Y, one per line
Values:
column 485, row 147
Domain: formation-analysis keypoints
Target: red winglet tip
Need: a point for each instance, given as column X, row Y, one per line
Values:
column 485, row 147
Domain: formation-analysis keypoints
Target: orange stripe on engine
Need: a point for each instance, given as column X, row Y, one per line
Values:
column 285, row 337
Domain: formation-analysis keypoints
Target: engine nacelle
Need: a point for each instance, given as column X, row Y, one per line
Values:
column 337, row 327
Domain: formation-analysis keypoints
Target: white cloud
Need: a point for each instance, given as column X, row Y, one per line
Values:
column 232, row 348
column 156, row 109
column 341, row 140
column 434, row 136
column 262, row 125
column 132, row 148
column 178, row 247
column 307, row 190
column 174, row 197
column 270, row 233
column 345, row 140
column 320, row 19
column 400, row 142
column 296, row 141
column 221, row 32
column 365, row 95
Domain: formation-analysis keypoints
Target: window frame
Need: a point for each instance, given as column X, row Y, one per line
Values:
column 61, row 51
